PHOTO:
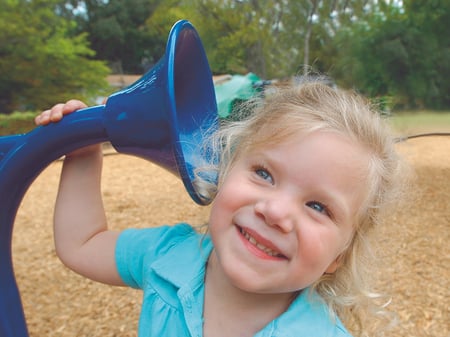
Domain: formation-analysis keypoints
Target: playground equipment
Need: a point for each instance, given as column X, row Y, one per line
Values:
column 162, row 117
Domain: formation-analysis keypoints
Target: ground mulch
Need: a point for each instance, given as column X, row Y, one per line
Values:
column 57, row 302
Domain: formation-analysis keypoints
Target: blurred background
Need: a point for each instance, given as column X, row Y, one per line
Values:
column 395, row 52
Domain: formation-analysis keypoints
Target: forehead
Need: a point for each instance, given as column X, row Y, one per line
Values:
column 314, row 148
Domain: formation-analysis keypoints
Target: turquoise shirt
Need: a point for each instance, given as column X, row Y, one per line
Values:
column 168, row 264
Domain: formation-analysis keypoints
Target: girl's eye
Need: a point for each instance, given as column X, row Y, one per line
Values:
column 318, row 207
column 264, row 174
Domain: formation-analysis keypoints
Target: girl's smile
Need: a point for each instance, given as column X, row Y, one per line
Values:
column 260, row 246
column 282, row 218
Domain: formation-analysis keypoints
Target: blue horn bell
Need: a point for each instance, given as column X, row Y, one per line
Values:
column 162, row 117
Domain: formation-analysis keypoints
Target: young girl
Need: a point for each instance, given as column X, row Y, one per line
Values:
column 303, row 181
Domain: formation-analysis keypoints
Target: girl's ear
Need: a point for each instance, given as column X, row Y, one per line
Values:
column 334, row 265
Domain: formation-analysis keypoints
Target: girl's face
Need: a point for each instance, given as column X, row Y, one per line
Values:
column 285, row 214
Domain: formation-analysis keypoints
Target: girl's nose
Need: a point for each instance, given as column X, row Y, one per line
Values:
column 277, row 212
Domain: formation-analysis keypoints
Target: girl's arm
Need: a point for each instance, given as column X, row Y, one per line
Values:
column 82, row 239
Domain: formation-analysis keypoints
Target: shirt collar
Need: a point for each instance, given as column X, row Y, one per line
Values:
column 188, row 266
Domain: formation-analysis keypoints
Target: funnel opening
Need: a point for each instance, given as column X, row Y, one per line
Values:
column 192, row 102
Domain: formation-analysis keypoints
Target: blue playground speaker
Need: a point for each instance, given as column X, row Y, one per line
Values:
column 162, row 117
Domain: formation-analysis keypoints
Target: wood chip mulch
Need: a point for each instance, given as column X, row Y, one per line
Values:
column 57, row 302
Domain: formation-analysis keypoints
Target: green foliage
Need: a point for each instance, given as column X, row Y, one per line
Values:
column 395, row 51
column 237, row 35
column 117, row 32
column 159, row 23
column 39, row 63
column 227, row 33
column 400, row 52
column 272, row 38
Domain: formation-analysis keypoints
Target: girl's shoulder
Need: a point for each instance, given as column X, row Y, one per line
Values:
column 155, row 240
column 309, row 315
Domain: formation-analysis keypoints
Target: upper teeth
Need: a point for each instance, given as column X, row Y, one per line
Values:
column 253, row 241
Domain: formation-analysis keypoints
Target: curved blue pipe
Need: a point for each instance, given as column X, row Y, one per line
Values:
column 162, row 117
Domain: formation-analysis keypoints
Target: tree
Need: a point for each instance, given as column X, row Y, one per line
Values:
column 158, row 24
column 39, row 63
column 273, row 38
column 236, row 34
column 116, row 31
column 429, row 52
column 400, row 52
column 230, row 33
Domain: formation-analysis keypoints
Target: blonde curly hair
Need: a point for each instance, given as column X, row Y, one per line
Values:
column 310, row 107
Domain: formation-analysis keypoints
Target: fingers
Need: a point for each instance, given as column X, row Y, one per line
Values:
column 56, row 113
column 72, row 106
column 51, row 115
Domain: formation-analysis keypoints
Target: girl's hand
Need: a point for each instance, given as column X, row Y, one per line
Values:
column 57, row 112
